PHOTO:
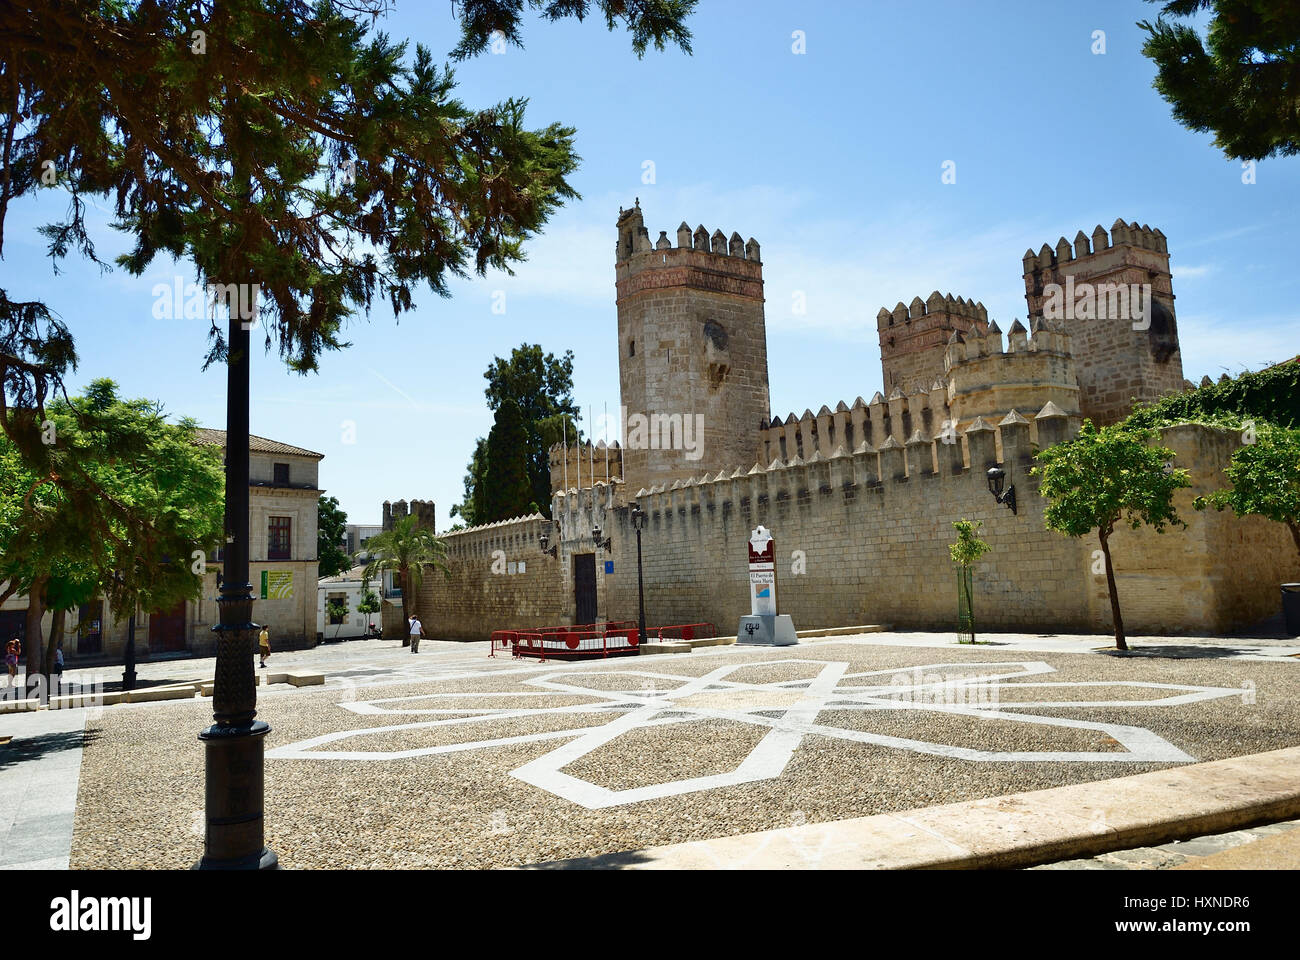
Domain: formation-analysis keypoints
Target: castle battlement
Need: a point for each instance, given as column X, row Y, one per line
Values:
column 634, row 239
column 1122, row 235
column 868, row 470
column 479, row 541
column 1115, row 293
column 423, row 509
column 583, row 459
column 913, row 336
column 986, row 379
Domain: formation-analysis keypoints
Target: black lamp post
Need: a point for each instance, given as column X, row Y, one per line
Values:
column 235, row 768
column 128, row 668
column 996, row 477
column 638, row 524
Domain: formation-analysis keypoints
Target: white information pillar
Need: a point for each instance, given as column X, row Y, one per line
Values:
column 764, row 625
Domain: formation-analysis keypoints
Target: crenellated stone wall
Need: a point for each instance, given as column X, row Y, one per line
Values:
column 1119, row 357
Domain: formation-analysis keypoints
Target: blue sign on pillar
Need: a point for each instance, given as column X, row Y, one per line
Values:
column 609, row 566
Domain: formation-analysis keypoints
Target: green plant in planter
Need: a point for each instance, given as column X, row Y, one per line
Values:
column 964, row 552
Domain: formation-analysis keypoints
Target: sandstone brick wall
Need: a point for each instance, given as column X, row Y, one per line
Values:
column 691, row 342
column 1115, row 364
column 876, row 550
column 475, row 600
column 913, row 338
column 581, row 461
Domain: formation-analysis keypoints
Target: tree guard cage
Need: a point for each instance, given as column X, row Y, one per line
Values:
column 965, row 607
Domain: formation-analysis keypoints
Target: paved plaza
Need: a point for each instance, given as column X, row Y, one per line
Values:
column 449, row 758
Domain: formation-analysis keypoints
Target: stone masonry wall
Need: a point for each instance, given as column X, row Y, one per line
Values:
column 475, row 600
column 877, row 551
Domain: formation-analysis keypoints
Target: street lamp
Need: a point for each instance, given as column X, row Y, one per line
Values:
column 234, row 775
column 543, row 539
column 996, row 476
column 638, row 524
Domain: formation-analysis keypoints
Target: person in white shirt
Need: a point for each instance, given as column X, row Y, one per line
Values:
column 417, row 631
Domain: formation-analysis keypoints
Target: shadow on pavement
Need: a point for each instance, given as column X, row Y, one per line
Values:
column 31, row 748
column 1177, row 651
column 606, row 861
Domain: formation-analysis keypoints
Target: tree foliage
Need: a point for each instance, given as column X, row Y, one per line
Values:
column 1241, row 82
column 1265, row 478
column 541, row 384
column 968, row 547
column 1104, row 477
column 331, row 530
column 276, row 143
column 405, row 549
column 507, row 491
column 1272, row 395
column 121, row 503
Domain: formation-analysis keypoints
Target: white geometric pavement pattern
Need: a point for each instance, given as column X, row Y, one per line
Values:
column 978, row 696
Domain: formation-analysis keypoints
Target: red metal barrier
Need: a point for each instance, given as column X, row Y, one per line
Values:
column 590, row 640
column 688, row 631
column 571, row 644
column 503, row 639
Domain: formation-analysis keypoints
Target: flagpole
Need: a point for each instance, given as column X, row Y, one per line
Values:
column 564, row 427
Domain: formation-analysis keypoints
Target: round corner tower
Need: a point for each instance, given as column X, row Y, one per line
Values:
column 692, row 351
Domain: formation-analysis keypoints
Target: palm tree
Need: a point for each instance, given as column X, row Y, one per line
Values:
column 405, row 549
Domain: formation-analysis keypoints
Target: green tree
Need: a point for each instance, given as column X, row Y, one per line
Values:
column 967, row 549
column 1242, row 82
column 369, row 603
column 542, row 385
column 292, row 156
column 337, row 609
column 1102, row 477
column 1265, row 478
column 123, row 505
column 331, row 530
column 507, row 492
column 405, row 549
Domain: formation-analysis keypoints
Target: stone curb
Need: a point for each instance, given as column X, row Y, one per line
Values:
column 1016, row 830
column 819, row 634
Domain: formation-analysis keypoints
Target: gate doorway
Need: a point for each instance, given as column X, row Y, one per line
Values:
column 584, row 587
column 167, row 629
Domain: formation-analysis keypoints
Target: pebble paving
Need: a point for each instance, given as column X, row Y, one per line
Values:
column 141, row 794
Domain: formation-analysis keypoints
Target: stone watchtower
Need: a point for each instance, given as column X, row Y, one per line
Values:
column 692, row 351
column 913, row 338
column 1125, row 346
column 423, row 510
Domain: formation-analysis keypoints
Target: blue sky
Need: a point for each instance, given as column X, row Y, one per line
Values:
column 831, row 159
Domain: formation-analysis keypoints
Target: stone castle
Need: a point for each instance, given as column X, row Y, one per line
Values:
column 865, row 494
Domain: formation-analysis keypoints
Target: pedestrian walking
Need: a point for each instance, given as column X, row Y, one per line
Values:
column 264, row 645
column 417, row 631
column 58, row 660
column 11, row 659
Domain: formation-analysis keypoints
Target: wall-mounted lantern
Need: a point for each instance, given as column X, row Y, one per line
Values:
column 996, row 477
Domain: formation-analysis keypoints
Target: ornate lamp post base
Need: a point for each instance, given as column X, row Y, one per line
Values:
column 234, row 775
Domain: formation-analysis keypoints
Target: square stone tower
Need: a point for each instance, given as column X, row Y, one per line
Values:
column 692, row 352
column 1098, row 287
column 913, row 338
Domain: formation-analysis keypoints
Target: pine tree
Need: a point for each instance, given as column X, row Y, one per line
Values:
column 507, row 489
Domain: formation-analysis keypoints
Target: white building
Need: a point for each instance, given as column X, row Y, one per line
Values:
column 349, row 588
